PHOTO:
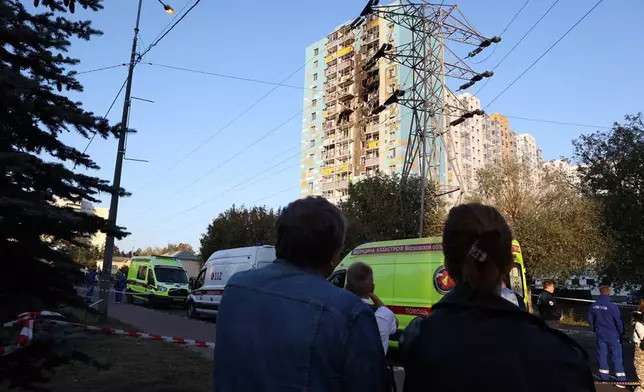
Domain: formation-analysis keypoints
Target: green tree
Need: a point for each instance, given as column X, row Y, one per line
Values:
column 557, row 226
column 238, row 227
column 36, row 229
column 612, row 172
column 382, row 208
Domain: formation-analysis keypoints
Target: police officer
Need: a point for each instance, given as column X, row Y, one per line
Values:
column 547, row 306
column 606, row 321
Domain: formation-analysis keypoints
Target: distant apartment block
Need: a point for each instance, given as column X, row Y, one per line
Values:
column 342, row 140
column 98, row 239
column 483, row 140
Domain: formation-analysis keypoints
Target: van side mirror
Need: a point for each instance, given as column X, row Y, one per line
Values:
column 191, row 283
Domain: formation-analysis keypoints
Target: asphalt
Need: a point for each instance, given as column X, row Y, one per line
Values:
column 174, row 322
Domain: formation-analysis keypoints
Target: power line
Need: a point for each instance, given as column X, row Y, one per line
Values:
column 246, row 148
column 518, row 43
column 100, row 69
column 261, row 173
column 504, row 30
column 217, row 132
column 226, row 76
column 106, row 113
column 544, row 53
column 557, row 122
column 156, row 42
column 172, row 20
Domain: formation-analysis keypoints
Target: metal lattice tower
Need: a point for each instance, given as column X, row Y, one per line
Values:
column 430, row 145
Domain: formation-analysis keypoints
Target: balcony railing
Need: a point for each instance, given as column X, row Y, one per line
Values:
column 372, row 161
column 331, row 70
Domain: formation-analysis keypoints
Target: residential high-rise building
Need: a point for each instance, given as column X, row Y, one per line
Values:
column 480, row 141
column 343, row 140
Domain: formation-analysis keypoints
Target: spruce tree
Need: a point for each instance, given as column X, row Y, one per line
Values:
column 38, row 169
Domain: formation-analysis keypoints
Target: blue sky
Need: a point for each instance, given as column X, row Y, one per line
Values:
column 591, row 77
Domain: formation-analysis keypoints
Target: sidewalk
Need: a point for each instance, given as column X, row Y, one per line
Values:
column 159, row 323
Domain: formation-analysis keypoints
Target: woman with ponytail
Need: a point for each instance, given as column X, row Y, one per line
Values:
column 475, row 340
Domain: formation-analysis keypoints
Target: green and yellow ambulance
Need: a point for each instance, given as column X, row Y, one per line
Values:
column 157, row 280
column 410, row 275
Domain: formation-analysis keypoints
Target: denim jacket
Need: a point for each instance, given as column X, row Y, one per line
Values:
column 281, row 328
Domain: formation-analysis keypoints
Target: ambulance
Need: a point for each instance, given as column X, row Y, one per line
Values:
column 206, row 290
column 157, row 280
column 410, row 276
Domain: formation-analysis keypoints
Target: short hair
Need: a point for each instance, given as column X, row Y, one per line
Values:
column 472, row 229
column 360, row 279
column 604, row 290
column 310, row 232
column 548, row 283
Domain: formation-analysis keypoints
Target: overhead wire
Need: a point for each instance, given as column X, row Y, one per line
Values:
column 225, row 76
column 518, row 43
column 208, row 200
column 503, row 32
column 100, row 69
column 237, row 154
column 218, row 131
column 106, row 113
column 545, row 53
column 156, row 41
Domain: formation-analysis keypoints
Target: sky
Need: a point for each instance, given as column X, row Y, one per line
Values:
column 196, row 134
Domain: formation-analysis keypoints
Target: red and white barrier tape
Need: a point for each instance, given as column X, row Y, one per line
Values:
column 26, row 321
column 142, row 335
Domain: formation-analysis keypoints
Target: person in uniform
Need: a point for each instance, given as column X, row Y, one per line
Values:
column 119, row 286
column 547, row 306
column 91, row 281
column 605, row 320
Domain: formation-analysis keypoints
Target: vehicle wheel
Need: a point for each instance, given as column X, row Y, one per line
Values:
column 191, row 310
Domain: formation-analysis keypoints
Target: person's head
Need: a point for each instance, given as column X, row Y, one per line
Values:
column 641, row 307
column 549, row 286
column 477, row 244
column 604, row 290
column 310, row 234
column 638, row 316
column 360, row 279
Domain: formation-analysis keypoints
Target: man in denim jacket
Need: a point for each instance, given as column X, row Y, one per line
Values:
column 285, row 328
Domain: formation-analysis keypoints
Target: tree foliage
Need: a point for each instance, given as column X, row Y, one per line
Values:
column 381, row 208
column 238, row 227
column 170, row 248
column 612, row 172
column 35, row 232
column 557, row 226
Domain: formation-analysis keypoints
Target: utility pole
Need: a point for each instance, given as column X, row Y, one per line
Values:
column 106, row 274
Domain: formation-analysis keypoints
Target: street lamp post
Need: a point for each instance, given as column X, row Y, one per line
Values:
column 108, row 253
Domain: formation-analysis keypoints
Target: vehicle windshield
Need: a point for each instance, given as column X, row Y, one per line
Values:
column 171, row 275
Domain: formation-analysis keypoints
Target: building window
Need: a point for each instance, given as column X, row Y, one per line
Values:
column 315, row 64
column 391, row 72
column 313, row 116
column 392, row 169
column 310, row 172
column 314, row 102
column 316, row 51
column 312, row 142
column 315, row 77
column 393, row 152
column 311, row 186
column 314, row 91
column 312, row 128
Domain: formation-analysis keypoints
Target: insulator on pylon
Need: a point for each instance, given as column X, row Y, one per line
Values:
column 467, row 115
column 484, row 44
column 391, row 100
column 475, row 79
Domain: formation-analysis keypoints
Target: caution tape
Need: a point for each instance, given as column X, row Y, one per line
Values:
column 141, row 335
column 26, row 322
column 114, row 291
column 26, row 336
column 625, row 383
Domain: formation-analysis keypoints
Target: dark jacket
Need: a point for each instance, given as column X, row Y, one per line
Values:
column 280, row 328
column 605, row 318
column 473, row 343
column 547, row 306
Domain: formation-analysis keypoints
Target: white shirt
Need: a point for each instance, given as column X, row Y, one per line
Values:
column 509, row 295
column 638, row 333
column 386, row 323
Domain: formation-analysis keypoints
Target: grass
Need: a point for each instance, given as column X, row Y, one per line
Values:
column 570, row 318
column 130, row 364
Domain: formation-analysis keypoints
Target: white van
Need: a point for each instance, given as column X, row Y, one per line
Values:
column 206, row 290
